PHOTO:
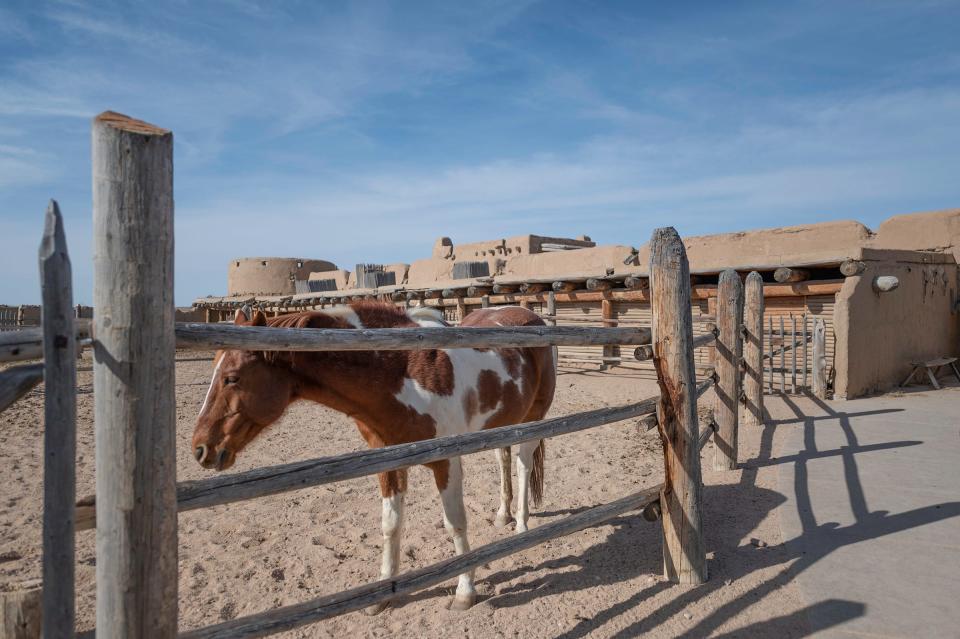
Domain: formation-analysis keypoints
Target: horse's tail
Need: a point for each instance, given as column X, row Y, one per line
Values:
column 536, row 475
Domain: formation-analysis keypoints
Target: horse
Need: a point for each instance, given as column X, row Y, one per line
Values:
column 394, row 397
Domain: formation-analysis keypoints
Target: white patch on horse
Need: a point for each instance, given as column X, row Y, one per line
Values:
column 213, row 380
column 427, row 316
column 448, row 411
column 346, row 314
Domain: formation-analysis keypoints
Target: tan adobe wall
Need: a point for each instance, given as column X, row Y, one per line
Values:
column 586, row 260
column 879, row 334
column 934, row 231
column 344, row 279
column 769, row 248
column 270, row 275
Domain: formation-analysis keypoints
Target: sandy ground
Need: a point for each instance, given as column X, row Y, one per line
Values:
column 243, row 558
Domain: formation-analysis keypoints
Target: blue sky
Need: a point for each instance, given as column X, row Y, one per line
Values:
column 361, row 131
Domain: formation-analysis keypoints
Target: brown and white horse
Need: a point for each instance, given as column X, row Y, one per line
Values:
column 395, row 397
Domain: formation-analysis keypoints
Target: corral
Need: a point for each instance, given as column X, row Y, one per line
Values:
column 137, row 497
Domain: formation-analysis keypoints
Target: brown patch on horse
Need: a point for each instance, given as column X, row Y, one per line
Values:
column 432, row 370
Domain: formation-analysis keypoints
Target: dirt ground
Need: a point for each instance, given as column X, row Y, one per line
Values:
column 243, row 558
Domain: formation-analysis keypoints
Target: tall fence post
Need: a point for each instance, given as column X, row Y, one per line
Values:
column 820, row 358
column 753, row 350
column 729, row 352
column 134, row 405
column 59, row 428
column 681, row 502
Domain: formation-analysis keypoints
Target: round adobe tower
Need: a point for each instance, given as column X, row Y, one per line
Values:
column 271, row 275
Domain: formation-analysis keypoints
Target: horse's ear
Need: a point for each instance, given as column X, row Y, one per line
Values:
column 259, row 319
column 243, row 315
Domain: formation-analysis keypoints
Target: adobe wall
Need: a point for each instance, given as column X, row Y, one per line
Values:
column 592, row 261
column 270, row 275
column 879, row 334
column 770, row 248
column 933, row 231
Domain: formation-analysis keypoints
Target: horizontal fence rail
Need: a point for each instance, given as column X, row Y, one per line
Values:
column 220, row 336
column 272, row 480
column 16, row 346
column 308, row 612
column 17, row 381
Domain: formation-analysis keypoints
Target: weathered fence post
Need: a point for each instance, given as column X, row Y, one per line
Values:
column 753, row 350
column 134, row 378
column 59, row 427
column 729, row 352
column 684, row 555
column 20, row 316
column 819, row 358
column 552, row 308
column 609, row 352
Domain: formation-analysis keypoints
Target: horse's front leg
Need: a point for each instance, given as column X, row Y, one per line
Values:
column 506, row 487
column 393, row 486
column 449, row 478
column 525, row 467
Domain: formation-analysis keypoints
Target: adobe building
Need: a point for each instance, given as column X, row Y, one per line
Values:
column 832, row 275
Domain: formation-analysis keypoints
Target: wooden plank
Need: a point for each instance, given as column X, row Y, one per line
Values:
column 607, row 314
column 272, row 480
column 806, row 361
column 753, row 350
column 21, row 614
column 820, row 359
column 783, row 359
column 793, row 354
column 218, row 336
column 59, row 427
column 133, row 368
column 552, row 308
column 27, row 343
column 301, row 614
column 684, row 553
column 729, row 354
column 770, row 357
column 17, row 381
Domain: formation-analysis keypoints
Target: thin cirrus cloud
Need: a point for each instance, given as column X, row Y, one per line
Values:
column 361, row 131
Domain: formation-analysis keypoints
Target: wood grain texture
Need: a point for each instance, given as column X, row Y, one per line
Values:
column 27, row 343
column 134, row 379
column 59, row 427
column 849, row 268
column 217, row 336
column 272, row 480
column 820, row 359
column 684, row 554
column 17, row 381
column 729, row 354
column 301, row 614
column 786, row 274
column 21, row 614
column 753, row 350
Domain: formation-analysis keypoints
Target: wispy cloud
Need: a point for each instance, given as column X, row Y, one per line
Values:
column 359, row 131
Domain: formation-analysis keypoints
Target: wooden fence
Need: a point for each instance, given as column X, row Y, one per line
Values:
column 137, row 497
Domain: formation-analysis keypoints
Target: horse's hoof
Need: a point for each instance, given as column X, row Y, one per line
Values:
column 502, row 520
column 463, row 602
column 376, row 609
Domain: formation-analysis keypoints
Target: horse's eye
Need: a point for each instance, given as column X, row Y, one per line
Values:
column 231, row 379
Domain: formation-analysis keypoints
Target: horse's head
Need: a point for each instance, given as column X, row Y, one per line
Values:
column 247, row 394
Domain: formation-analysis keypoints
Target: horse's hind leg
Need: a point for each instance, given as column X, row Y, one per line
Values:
column 449, row 478
column 393, row 486
column 524, row 469
column 506, row 487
